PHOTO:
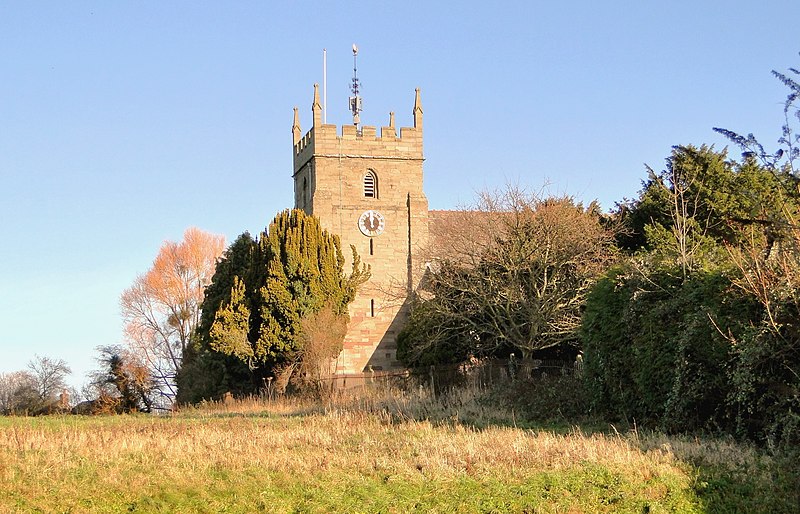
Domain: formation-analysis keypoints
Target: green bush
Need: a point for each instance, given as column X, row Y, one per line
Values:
column 764, row 399
column 658, row 347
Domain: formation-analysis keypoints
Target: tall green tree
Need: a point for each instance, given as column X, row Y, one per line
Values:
column 697, row 185
column 695, row 331
column 700, row 203
column 260, row 294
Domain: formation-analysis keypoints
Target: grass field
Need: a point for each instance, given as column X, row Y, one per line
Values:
column 366, row 457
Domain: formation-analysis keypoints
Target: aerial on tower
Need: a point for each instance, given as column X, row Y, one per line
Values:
column 365, row 184
column 355, row 100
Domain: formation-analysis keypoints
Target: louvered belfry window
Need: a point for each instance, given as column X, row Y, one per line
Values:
column 370, row 185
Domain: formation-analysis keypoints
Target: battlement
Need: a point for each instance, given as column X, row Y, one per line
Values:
column 352, row 141
column 306, row 140
column 342, row 173
column 367, row 134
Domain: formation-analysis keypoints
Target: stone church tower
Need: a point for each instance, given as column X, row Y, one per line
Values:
column 366, row 186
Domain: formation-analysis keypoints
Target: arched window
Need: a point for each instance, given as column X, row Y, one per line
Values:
column 370, row 185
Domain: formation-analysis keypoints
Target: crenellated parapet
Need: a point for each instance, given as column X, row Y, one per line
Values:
column 369, row 142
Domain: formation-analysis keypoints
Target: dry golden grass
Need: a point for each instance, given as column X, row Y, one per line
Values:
column 341, row 440
column 353, row 454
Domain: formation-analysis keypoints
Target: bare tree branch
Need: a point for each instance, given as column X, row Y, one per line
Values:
column 162, row 307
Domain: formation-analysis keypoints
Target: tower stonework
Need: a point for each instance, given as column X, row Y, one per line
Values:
column 366, row 186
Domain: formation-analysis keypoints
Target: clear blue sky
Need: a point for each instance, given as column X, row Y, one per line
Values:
column 123, row 123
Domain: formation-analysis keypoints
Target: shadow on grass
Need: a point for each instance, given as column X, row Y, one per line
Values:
column 729, row 475
column 726, row 476
column 771, row 485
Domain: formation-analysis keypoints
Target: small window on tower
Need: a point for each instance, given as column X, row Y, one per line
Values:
column 370, row 185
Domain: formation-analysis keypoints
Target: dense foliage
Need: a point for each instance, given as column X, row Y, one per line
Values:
column 699, row 330
column 254, row 308
column 123, row 384
column 684, row 335
column 657, row 347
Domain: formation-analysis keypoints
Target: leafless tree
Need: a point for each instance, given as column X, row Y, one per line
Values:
column 513, row 272
column 685, row 185
column 162, row 307
column 49, row 378
column 323, row 335
column 18, row 392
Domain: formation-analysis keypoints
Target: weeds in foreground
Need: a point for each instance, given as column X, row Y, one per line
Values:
column 368, row 451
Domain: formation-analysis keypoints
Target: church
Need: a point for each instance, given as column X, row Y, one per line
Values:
column 366, row 185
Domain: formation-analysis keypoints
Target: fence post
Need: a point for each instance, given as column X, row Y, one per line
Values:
column 433, row 385
column 512, row 367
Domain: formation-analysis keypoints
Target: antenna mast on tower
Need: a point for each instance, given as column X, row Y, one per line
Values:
column 355, row 100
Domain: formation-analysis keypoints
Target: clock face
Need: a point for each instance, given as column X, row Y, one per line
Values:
column 371, row 223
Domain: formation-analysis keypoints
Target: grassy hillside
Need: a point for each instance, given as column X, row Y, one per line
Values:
column 282, row 457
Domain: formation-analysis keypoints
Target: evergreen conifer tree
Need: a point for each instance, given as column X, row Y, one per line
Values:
column 261, row 292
